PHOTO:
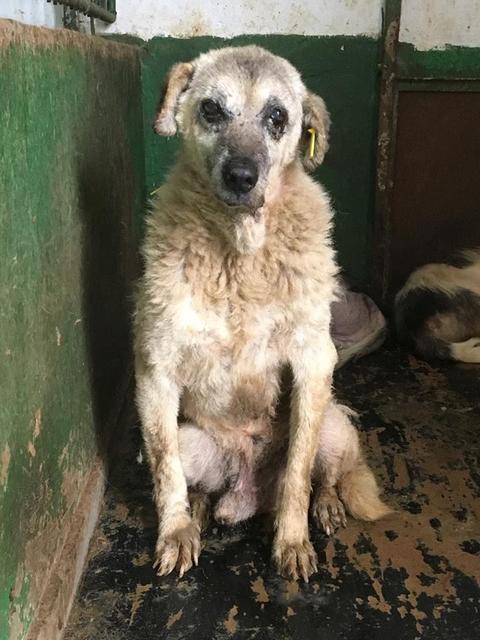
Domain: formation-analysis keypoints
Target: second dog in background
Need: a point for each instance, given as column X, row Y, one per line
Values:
column 437, row 311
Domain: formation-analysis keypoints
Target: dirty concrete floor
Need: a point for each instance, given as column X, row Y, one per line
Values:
column 414, row 575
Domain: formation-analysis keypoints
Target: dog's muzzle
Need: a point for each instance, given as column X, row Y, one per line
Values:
column 240, row 175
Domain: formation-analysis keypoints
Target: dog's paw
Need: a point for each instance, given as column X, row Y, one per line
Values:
column 329, row 512
column 295, row 560
column 178, row 550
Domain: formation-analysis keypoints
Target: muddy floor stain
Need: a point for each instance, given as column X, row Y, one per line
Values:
column 231, row 623
column 175, row 617
column 413, row 575
column 258, row 587
column 137, row 599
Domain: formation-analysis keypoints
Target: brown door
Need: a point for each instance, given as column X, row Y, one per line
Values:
column 436, row 180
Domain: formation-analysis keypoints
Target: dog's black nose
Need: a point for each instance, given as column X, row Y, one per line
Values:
column 240, row 175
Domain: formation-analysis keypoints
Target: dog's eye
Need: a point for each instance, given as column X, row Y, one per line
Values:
column 277, row 119
column 211, row 111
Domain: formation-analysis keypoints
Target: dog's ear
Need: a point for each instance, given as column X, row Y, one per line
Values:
column 317, row 119
column 177, row 82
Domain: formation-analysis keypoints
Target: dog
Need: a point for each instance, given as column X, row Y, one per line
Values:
column 239, row 279
column 437, row 311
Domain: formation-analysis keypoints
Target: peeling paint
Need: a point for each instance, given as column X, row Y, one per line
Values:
column 141, row 560
column 16, row 625
column 292, row 590
column 137, row 598
column 231, row 623
column 236, row 570
column 258, row 587
column 37, row 424
column 121, row 511
column 4, row 465
column 72, row 480
column 175, row 617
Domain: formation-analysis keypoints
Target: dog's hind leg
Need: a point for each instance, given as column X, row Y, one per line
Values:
column 344, row 479
column 208, row 469
column 327, row 508
column 204, row 464
column 205, row 469
column 199, row 508
column 241, row 500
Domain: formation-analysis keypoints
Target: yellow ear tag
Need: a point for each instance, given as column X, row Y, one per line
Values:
column 313, row 134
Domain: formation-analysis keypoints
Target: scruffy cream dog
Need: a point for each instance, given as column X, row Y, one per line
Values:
column 239, row 278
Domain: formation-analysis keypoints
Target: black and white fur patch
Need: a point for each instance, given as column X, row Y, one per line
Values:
column 437, row 312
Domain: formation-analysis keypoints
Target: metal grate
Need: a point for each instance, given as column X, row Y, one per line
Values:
column 104, row 10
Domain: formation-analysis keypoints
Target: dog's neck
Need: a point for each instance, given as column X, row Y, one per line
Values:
column 244, row 229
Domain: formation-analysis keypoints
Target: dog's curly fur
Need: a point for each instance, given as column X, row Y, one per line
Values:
column 230, row 295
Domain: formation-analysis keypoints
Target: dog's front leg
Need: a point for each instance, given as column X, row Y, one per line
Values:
column 312, row 366
column 178, row 544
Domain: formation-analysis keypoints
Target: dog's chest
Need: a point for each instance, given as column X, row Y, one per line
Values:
column 235, row 303
column 228, row 341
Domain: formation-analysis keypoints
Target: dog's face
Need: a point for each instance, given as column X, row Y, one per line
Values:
column 240, row 122
column 244, row 115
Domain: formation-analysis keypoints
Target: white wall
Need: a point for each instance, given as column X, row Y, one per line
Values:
column 36, row 12
column 426, row 24
column 432, row 24
column 226, row 18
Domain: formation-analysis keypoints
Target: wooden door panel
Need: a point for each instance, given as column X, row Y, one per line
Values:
column 436, row 193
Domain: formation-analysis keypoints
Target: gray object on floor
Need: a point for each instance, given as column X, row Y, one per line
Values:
column 358, row 326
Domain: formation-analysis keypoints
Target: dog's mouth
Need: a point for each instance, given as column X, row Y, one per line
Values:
column 241, row 205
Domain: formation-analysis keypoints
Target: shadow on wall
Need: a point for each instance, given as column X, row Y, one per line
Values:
column 107, row 192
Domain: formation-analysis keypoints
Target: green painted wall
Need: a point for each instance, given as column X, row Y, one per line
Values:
column 451, row 63
column 72, row 191
column 344, row 70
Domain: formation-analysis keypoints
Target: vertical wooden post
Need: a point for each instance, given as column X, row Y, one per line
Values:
column 387, row 120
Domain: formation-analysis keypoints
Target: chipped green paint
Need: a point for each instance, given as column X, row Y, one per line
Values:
column 71, row 184
column 344, row 70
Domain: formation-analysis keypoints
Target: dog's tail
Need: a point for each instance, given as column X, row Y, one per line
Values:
column 360, row 493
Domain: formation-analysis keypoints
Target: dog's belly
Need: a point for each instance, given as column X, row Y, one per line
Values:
column 219, row 385
column 230, row 378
